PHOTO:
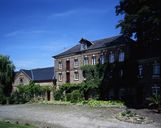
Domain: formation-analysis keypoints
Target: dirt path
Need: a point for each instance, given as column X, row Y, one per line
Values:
column 67, row 116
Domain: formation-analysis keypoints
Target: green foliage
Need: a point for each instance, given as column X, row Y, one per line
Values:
column 26, row 93
column 128, row 113
column 155, row 101
column 142, row 18
column 109, row 103
column 9, row 125
column 69, row 92
column 76, row 96
column 6, row 74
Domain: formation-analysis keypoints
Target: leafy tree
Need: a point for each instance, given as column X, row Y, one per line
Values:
column 142, row 18
column 6, row 74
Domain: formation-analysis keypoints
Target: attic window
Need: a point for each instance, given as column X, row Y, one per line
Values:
column 21, row 80
column 83, row 46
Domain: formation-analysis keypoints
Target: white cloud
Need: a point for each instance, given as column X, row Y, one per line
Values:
column 77, row 11
column 22, row 32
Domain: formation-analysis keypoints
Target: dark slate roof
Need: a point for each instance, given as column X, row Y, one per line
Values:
column 116, row 40
column 40, row 74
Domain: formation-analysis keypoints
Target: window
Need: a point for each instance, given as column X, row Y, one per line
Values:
column 76, row 75
column 76, row 63
column 83, row 46
column 85, row 61
column 93, row 60
column 156, row 70
column 60, row 65
column 155, row 89
column 102, row 59
column 121, row 56
column 60, row 77
column 111, row 57
column 121, row 73
column 21, row 80
column 140, row 73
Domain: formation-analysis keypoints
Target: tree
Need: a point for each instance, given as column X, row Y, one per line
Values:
column 6, row 74
column 142, row 18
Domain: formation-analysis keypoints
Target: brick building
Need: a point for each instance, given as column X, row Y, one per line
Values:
column 137, row 78
column 41, row 76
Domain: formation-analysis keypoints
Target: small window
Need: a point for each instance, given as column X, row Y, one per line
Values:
column 76, row 63
column 155, row 89
column 121, row 56
column 121, row 73
column 83, row 46
column 60, row 65
column 21, row 80
column 93, row 60
column 140, row 71
column 85, row 61
column 111, row 57
column 102, row 59
column 76, row 75
column 60, row 77
column 156, row 70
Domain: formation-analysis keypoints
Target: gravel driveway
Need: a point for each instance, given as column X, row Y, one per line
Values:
column 69, row 116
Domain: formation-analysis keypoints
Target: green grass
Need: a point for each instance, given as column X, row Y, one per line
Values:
column 9, row 125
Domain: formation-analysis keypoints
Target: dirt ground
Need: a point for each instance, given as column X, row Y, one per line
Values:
column 73, row 116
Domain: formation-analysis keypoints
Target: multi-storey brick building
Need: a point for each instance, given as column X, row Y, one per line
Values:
column 114, row 50
column 68, row 63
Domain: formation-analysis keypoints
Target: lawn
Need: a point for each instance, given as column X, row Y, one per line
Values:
column 9, row 125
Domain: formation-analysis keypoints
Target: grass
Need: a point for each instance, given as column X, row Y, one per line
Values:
column 92, row 103
column 10, row 125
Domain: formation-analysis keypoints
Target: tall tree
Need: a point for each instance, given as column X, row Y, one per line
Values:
column 142, row 18
column 6, row 74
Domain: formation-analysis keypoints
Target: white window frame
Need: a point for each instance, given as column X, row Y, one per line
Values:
column 93, row 60
column 85, row 60
column 102, row 59
column 155, row 89
column 76, row 62
column 60, row 64
column 76, row 75
column 60, row 76
column 140, row 71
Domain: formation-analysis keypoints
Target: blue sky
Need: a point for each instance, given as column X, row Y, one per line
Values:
column 32, row 31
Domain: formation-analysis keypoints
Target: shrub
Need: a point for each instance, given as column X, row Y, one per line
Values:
column 76, row 96
column 110, row 103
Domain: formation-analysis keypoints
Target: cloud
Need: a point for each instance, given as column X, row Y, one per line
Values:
column 22, row 32
column 78, row 12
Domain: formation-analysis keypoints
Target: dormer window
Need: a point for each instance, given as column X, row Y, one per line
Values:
column 83, row 46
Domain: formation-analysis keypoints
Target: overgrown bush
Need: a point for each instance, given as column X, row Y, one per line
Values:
column 26, row 93
column 76, row 96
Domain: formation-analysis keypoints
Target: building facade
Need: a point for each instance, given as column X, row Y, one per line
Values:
column 68, row 64
column 41, row 76
column 137, row 76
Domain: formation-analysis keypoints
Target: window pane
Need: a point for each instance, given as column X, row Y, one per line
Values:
column 111, row 58
column 121, row 56
column 93, row 60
